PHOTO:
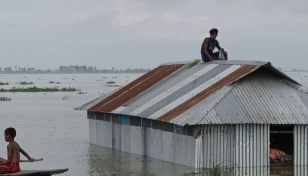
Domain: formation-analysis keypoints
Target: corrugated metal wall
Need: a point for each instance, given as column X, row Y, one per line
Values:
column 218, row 146
column 245, row 148
column 199, row 153
column 301, row 145
column 252, row 150
column 252, row 145
column 154, row 143
column 233, row 145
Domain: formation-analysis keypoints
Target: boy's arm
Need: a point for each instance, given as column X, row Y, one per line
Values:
column 9, row 155
column 218, row 47
column 25, row 154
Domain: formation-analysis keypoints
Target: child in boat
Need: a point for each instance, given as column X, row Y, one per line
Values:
column 11, row 164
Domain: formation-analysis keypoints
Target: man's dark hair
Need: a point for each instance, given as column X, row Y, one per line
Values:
column 10, row 131
column 213, row 31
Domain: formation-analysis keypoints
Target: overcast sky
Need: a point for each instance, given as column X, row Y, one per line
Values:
column 144, row 34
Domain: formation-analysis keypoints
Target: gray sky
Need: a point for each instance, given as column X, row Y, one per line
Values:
column 144, row 34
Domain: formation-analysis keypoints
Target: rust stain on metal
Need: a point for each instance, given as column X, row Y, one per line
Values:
column 134, row 88
column 244, row 70
column 125, row 88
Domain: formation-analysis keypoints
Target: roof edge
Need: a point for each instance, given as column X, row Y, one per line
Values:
column 227, row 62
column 274, row 70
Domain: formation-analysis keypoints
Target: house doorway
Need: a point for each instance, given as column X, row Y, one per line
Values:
column 281, row 149
column 281, row 138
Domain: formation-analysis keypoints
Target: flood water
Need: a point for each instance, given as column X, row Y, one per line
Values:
column 48, row 126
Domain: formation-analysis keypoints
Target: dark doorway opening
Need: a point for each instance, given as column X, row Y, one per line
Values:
column 281, row 149
column 281, row 138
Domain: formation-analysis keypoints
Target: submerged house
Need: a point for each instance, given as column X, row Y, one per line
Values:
column 229, row 113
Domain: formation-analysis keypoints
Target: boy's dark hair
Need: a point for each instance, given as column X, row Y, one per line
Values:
column 10, row 131
column 213, row 31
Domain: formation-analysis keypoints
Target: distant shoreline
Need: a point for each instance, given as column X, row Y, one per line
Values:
column 71, row 69
column 4, row 73
column 106, row 72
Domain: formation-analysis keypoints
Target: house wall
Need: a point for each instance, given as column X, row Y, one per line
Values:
column 163, row 145
column 245, row 147
column 208, row 146
column 252, row 145
column 300, row 146
column 218, row 146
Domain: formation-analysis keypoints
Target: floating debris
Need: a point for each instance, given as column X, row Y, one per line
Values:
column 112, row 85
column 25, row 83
column 2, row 83
column 110, row 82
column 54, row 82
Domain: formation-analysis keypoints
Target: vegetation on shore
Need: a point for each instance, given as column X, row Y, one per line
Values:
column 5, row 99
column 2, row 83
column 37, row 89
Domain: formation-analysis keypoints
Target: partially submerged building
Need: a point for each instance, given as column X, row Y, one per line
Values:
column 223, row 112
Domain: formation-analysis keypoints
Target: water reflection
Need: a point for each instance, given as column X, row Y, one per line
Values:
column 253, row 171
column 105, row 161
column 277, row 170
column 217, row 171
column 301, row 170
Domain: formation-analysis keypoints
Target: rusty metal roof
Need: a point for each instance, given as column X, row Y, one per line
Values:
column 220, row 92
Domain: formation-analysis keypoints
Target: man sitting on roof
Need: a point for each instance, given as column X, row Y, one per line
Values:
column 208, row 47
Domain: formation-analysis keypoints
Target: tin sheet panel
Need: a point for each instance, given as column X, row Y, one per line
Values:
column 261, row 101
column 133, row 89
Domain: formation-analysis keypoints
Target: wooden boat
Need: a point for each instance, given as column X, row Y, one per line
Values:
column 36, row 172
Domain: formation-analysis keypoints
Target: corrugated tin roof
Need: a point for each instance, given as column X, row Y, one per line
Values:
column 209, row 93
column 133, row 89
column 259, row 98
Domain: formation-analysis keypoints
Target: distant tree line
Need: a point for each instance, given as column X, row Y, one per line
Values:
column 71, row 69
column 76, row 68
column 17, row 69
column 90, row 69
